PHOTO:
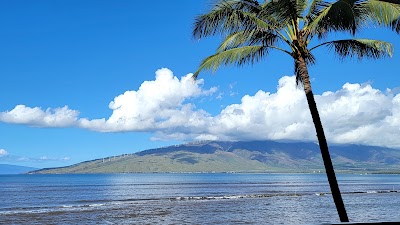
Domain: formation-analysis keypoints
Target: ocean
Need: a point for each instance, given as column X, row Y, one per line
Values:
column 194, row 198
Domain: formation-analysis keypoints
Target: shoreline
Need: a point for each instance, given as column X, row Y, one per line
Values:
column 227, row 172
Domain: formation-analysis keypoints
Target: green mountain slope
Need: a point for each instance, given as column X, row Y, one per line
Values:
column 252, row 156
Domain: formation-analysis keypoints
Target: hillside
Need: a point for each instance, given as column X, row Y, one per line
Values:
column 251, row 156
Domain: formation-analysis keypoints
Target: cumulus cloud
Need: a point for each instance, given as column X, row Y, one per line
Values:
column 158, row 104
column 165, row 106
column 58, row 117
column 361, row 114
column 3, row 152
column 357, row 113
column 266, row 116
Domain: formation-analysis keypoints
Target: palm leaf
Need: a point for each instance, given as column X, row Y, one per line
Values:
column 383, row 12
column 313, row 10
column 360, row 48
column 247, row 38
column 234, row 40
column 286, row 11
column 226, row 16
column 301, row 6
column 247, row 5
column 237, row 56
column 395, row 25
column 339, row 16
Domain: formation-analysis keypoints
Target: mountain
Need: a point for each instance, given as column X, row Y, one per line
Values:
column 12, row 169
column 242, row 156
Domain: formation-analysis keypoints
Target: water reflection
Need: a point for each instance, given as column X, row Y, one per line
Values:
column 194, row 198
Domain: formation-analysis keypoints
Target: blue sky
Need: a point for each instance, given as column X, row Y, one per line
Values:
column 70, row 70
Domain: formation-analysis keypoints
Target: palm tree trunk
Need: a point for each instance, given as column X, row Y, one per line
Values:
column 337, row 198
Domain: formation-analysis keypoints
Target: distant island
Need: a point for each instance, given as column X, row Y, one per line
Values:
column 241, row 157
column 13, row 169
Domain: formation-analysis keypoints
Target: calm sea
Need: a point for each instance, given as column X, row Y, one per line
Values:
column 194, row 198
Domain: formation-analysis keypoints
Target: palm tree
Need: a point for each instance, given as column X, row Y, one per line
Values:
column 252, row 28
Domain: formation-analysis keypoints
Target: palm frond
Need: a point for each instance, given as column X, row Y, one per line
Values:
column 225, row 17
column 237, row 56
column 301, row 7
column 266, row 14
column 338, row 16
column 246, row 38
column 286, row 10
column 382, row 12
column 360, row 48
column 395, row 25
column 313, row 10
column 247, row 5
column 234, row 40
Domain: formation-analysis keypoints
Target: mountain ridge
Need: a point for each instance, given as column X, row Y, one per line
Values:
column 241, row 156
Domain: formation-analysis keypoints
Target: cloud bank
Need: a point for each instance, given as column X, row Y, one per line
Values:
column 158, row 104
column 357, row 113
column 58, row 117
column 14, row 158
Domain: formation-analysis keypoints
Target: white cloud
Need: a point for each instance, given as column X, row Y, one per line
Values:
column 265, row 116
column 46, row 158
column 357, row 113
column 220, row 95
column 361, row 114
column 354, row 114
column 58, row 117
column 4, row 156
column 158, row 104
column 3, row 152
column 23, row 159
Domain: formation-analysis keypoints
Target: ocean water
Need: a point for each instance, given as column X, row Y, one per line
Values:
column 194, row 198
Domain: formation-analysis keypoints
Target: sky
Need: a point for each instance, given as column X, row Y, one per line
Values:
column 81, row 80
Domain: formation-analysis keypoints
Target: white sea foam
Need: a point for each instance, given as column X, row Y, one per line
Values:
column 96, row 205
